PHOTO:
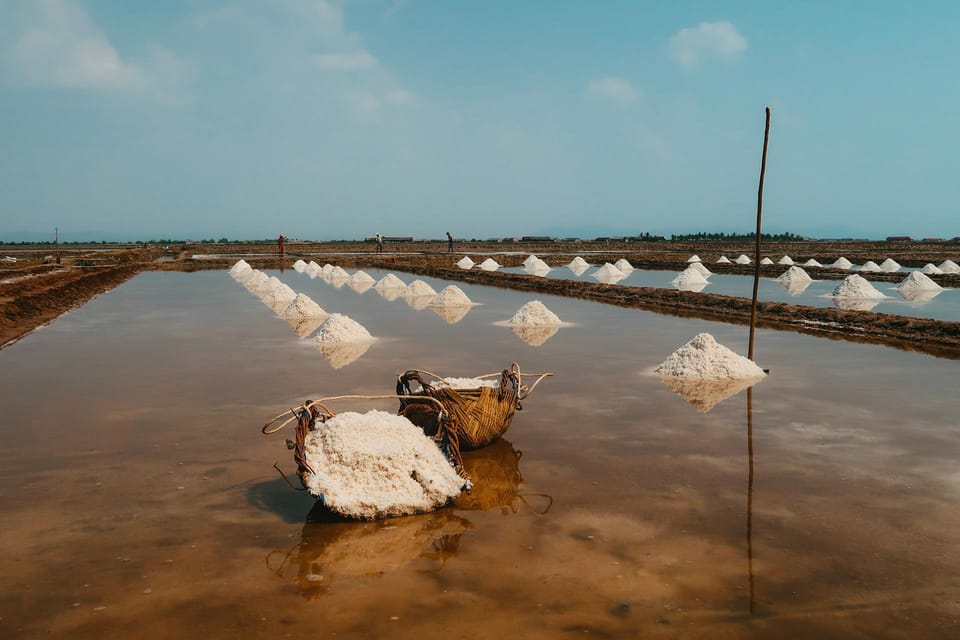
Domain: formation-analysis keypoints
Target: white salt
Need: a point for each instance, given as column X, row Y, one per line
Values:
column 376, row 465
column 578, row 263
column 313, row 270
column 466, row 383
column 703, row 358
column 337, row 273
column 855, row 286
column 743, row 259
column 240, row 267
column 531, row 259
column 278, row 295
column 687, row 277
column 949, row 266
column 465, row 262
column 793, row 275
column 389, row 281
column 870, row 265
column 623, row 265
column 812, row 263
column 361, row 278
column 451, row 296
column 698, row 266
column 338, row 328
column 841, row 263
column 723, row 260
column 608, row 270
column 538, row 268
column 299, row 266
column 917, row 281
column 489, row 265
column 327, row 270
column 535, row 336
column 418, row 289
column 534, row 313
column 787, row 260
column 694, row 258
column 257, row 281
column 890, row 265
column 931, row 269
column 766, row 261
column 302, row 307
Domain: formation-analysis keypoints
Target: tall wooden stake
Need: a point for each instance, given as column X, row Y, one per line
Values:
column 756, row 255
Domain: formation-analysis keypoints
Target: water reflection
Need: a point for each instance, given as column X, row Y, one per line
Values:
column 389, row 293
column 794, row 287
column 855, row 304
column 340, row 355
column 418, row 303
column 608, row 277
column 452, row 315
column 304, row 326
column 495, row 472
column 579, row 269
column 535, row 335
column 750, row 497
column 920, row 295
column 360, row 286
column 537, row 269
column 704, row 395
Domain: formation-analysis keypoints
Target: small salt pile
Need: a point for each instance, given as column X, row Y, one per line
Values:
column 855, row 286
column 623, row 265
column 361, row 278
column 313, row 270
column 949, row 266
column 538, row 268
column 240, row 268
column 339, row 329
column 743, row 259
column 578, row 263
column 723, row 260
column 278, row 297
column 841, row 263
column 694, row 258
column 337, row 273
column 794, row 275
column 418, row 289
column 812, row 263
column 890, row 265
column 609, row 274
column 917, row 281
column 702, row 269
column 703, row 358
column 327, row 270
column 489, row 265
column 299, row 266
column 766, row 261
column 465, row 262
column 531, row 259
column 870, row 265
column 451, row 296
column 787, row 260
column 389, row 281
column 376, row 465
column 302, row 307
column 688, row 277
column 931, row 269
column 534, row 313
column 257, row 281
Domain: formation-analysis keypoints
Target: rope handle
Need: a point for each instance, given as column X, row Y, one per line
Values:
column 310, row 404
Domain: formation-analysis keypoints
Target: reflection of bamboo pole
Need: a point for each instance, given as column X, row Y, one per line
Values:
column 756, row 255
column 750, row 493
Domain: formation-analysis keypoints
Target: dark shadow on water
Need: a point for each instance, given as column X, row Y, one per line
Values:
column 277, row 497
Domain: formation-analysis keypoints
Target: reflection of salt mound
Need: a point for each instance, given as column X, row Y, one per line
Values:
column 623, row 265
column 723, row 260
column 890, row 265
column 704, row 395
column 812, row 263
column 703, row 358
column 949, row 266
column 688, row 277
column 917, row 281
column 340, row 355
column 337, row 273
column 794, row 274
column 609, row 274
column 465, row 262
column 856, row 304
column 578, row 271
column 340, row 329
column 841, row 263
column 240, row 267
column 854, row 286
column 299, row 266
column 766, row 261
column 452, row 315
column 531, row 259
column 870, row 265
column 389, row 281
column 534, row 313
column 489, row 265
column 931, row 269
column 361, row 281
column 578, row 263
column 377, row 464
column 693, row 258
column 698, row 266
column 787, row 260
column 389, row 293
column 743, row 259
column 535, row 336
column 304, row 326
column 451, row 296
column 302, row 307
column 418, row 289
column 920, row 295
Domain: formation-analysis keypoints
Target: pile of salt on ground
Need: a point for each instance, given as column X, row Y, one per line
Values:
column 337, row 273
column 327, row 269
column 688, row 277
column 917, row 281
column 794, row 275
column 361, row 278
column 694, row 258
column 377, row 465
column 256, row 281
column 870, row 265
column 340, row 329
column 465, row 262
column 787, row 260
column 489, row 265
column 451, row 296
column 578, row 263
column 531, row 259
column 240, row 267
column 278, row 295
column 702, row 269
column 313, row 270
column 536, row 266
column 890, row 265
column 623, row 265
column 812, row 263
column 931, row 269
column 534, row 313
column 302, row 307
column 703, row 358
column 841, row 263
column 299, row 266
column 743, row 259
column 418, row 289
column 766, row 261
column 854, row 286
column 390, row 281
column 723, row 260
column 949, row 266
column 608, row 271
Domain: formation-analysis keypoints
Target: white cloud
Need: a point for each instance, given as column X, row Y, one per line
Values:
column 400, row 97
column 721, row 39
column 613, row 89
column 345, row 61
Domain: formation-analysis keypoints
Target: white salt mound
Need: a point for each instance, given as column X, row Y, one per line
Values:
column 377, row 464
column 743, row 259
column 608, row 271
column 841, row 263
column 538, row 265
column 531, row 259
column 698, row 266
column 578, row 263
column 389, row 281
column 451, row 296
column 703, row 358
column 327, row 270
column 467, row 383
column 339, row 329
column 694, row 258
column 240, row 267
column 870, row 265
column 623, row 265
column 465, row 262
column 917, row 281
column 299, row 266
column 793, row 275
column 766, row 261
column 534, row 313
column 855, row 286
column 361, row 278
column 787, row 260
column 417, row 289
column 723, row 260
column 337, row 273
column 313, row 270
column 489, row 265
column 812, row 263
column 256, row 280
column 302, row 307
column 949, row 266
column 687, row 277
column 931, row 269
column 890, row 265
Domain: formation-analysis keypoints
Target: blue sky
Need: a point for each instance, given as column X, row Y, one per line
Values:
column 323, row 119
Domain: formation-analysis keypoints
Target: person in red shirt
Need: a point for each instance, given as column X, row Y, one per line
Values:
column 280, row 241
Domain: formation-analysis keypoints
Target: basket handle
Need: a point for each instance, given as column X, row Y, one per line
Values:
column 310, row 404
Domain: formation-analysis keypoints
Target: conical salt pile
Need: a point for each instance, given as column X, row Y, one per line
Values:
column 766, row 261
column 361, row 277
column 313, row 270
column 538, row 268
column 578, row 263
column 855, row 286
column 698, row 266
column 257, row 281
column 793, row 275
column 787, row 260
column 870, row 265
column 327, row 270
column 841, row 263
column 743, row 259
column 489, row 265
column 389, row 281
column 465, row 262
column 917, row 281
column 534, row 313
column 812, row 263
column 451, row 296
column 890, row 265
column 723, row 260
column 531, row 259
column 337, row 273
column 302, row 307
column 931, row 269
column 687, row 277
column 239, row 268
column 338, row 328
column 694, row 258
column 418, row 289
column 703, row 358
column 949, row 266
column 299, row 266
column 624, row 266
column 608, row 272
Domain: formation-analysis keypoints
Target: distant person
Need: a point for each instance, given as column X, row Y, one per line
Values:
column 449, row 243
column 379, row 243
column 280, row 242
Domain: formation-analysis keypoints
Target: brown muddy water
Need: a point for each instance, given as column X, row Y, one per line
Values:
column 138, row 496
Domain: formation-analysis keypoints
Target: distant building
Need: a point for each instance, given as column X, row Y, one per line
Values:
column 899, row 239
column 536, row 239
column 932, row 240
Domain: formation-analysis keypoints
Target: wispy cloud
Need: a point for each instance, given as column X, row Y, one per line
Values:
column 345, row 61
column 691, row 45
column 613, row 89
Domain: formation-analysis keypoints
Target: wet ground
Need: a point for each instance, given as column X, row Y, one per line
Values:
column 138, row 493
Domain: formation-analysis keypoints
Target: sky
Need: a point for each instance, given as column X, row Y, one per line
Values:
column 326, row 119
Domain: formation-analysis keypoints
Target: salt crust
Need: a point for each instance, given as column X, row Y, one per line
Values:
column 870, row 265
column 812, row 263
column 723, row 260
column 699, row 266
column 534, row 313
column 451, row 296
column 917, row 281
column 299, row 266
column 466, row 383
column 949, row 266
column 302, row 307
column 855, row 286
column 465, row 262
column 890, row 265
column 390, row 281
column 743, row 259
column 703, row 358
column 489, row 265
column 787, row 260
column 689, row 276
column 578, row 262
column 418, row 289
column 841, row 263
column 766, row 261
column 531, row 259
column 694, row 258
column 338, row 329
column 931, row 269
column 623, row 265
column 376, row 465
column 793, row 275
column 337, row 273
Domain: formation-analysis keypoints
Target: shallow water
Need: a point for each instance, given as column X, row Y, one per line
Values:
column 138, row 493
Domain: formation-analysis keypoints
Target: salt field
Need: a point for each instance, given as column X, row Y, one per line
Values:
column 138, row 492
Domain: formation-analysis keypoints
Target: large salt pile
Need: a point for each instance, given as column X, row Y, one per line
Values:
column 299, row 266
column 538, row 268
column 327, row 269
column 787, row 260
column 703, row 358
column 609, row 274
column 687, row 278
column 949, row 266
column 389, row 281
column 578, row 262
column 278, row 295
column 743, row 259
column 723, row 260
column 531, row 259
column 337, row 273
column 623, row 265
column 418, row 289
column 376, row 465
column 917, row 281
column 313, row 270
column 931, row 269
column 257, row 281
column 240, row 268
column 698, row 266
column 340, row 329
column 361, row 281
column 451, row 296
column 465, row 262
column 841, row 263
column 812, row 263
column 534, row 313
column 870, row 265
column 857, row 287
column 890, row 265
column 766, row 261
column 694, row 258
column 795, row 280
column 489, row 265
column 302, row 307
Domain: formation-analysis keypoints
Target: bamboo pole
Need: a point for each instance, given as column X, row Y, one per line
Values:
column 756, row 254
